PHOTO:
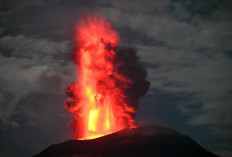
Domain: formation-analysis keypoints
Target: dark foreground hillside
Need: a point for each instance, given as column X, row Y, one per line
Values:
column 148, row 141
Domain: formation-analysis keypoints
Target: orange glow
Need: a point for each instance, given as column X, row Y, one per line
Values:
column 98, row 104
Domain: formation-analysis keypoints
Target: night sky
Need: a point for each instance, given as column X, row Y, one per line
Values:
column 185, row 45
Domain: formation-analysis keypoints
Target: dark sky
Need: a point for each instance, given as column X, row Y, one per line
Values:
column 185, row 45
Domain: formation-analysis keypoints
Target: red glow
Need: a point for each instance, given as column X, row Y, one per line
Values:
column 98, row 101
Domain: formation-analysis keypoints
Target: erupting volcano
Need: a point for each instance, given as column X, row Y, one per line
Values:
column 105, row 97
column 104, row 101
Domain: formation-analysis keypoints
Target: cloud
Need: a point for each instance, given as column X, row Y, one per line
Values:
column 9, row 8
column 207, row 79
column 34, row 65
column 19, row 82
column 24, row 46
column 180, row 25
column 147, row 6
column 224, row 153
column 193, row 58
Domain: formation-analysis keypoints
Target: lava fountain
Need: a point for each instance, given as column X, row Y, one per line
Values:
column 100, row 101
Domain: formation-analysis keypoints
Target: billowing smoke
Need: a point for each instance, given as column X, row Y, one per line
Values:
column 133, row 69
column 110, row 82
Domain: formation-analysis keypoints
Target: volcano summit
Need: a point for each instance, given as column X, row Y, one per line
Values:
column 147, row 141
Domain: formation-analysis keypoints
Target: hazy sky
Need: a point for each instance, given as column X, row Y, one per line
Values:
column 185, row 45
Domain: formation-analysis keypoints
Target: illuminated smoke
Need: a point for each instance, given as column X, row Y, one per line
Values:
column 110, row 81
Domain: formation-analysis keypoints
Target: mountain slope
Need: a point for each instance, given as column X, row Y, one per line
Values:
column 144, row 141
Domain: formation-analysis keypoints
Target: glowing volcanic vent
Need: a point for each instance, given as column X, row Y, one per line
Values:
column 101, row 99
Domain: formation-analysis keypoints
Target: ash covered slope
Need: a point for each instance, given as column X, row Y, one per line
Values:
column 146, row 141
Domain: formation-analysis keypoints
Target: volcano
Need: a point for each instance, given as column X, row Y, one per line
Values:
column 104, row 100
column 149, row 141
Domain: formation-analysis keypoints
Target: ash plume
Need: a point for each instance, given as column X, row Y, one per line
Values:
column 110, row 81
column 129, row 66
column 133, row 69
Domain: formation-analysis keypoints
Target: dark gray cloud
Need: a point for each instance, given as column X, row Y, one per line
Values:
column 184, row 44
column 31, row 65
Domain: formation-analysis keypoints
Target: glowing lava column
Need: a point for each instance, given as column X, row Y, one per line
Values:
column 98, row 102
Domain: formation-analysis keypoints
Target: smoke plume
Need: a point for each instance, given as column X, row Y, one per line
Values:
column 110, row 81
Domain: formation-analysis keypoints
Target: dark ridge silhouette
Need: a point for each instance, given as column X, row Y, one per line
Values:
column 147, row 141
